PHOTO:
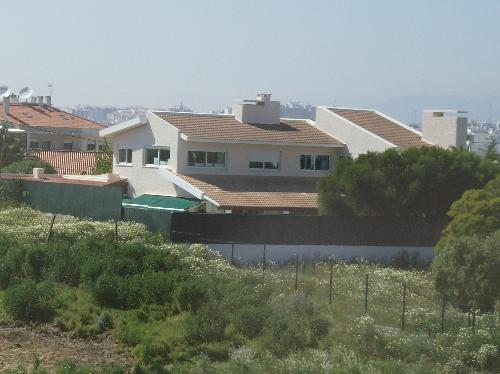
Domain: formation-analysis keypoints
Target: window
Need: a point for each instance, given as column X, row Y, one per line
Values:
column 45, row 145
column 90, row 146
column 125, row 156
column 34, row 144
column 156, row 156
column 314, row 162
column 269, row 160
column 68, row 146
column 207, row 159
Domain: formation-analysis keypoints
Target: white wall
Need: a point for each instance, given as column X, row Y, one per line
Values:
column 238, row 156
column 446, row 131
column 357, row 139
column 79, row 137
column 253, row 253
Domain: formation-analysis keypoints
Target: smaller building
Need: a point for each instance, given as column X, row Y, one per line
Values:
column 49, row 128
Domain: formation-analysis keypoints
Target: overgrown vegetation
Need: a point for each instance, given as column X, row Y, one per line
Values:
column 104, row 160
column 186, row 309
column 27, row 166
column 420, row 182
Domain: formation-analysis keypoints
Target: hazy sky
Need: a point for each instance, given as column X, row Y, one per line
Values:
column 207, row 53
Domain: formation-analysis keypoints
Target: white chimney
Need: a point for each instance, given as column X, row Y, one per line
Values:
column 261, row 111
column 38, row 173
column 6, row 105
column 40, row 100
column 48, row 100
column 445, row 128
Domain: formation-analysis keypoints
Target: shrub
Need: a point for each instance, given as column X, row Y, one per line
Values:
column 105, row 321
column 118, row 292
column 157, row 288
column 207, row 324
column 35, row 262
column 466, row 270
column 27, row 166
column 11, row 192
column 29, row 301
column 192, row 294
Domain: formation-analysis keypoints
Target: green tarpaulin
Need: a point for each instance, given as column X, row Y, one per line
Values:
column 161, row 202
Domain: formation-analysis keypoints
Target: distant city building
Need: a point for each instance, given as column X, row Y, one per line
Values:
column 295, row 109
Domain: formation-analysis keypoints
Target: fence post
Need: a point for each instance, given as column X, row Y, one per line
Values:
column 296, row 271
column 232, row 254
column 443, row 305
column 473, row 321
column 404, row 307
column 116, row 231
column 51, row 225
column 366, row 293
column 331, row 283
column 264, row 260
column 468, row 318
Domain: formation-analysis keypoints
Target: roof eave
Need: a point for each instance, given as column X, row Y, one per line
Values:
column 209, row 140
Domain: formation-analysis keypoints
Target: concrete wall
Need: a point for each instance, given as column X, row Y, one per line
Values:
column 265, row 112
column 357, row 139
column 145, row 179
column 238, row 157
column 253, row 253
column 445, row 131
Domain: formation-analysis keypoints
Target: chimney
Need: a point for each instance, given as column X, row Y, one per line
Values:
column 40, row 100
column 48, row 100
column 38, row 173
column 445, row 128
column 261, row 111
column 6, row 105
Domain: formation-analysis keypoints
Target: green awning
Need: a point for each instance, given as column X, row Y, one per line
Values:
column 161, row 202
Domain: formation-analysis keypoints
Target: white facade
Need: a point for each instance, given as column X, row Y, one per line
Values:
column 157, row 133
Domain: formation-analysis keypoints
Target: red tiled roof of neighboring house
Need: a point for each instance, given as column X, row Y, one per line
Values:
column 54, row 178
column 383, row 127
column 68, row 162
column 228, row 128
column 43, row 115
column 240, row 191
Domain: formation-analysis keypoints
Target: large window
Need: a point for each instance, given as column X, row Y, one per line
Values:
column 269, row 160
column 90, row 146
column 125, row 156
column 68, row 146
column 156, row 156
column 314, row 162
column 205, row 159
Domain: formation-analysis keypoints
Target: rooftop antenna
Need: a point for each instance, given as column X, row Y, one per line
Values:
column 50, row 86
column 4, row 91
column 25, row 93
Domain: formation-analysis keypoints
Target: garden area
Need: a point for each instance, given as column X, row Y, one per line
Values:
column 152, row 307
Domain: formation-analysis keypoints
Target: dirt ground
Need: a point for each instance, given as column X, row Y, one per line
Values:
column 19, row 346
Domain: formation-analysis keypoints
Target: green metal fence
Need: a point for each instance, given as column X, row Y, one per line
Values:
column 155, row 220
column 96, row 202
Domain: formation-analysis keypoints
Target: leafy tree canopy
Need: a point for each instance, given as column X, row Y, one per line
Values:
column 104, row 161
column 418, row 182
column 466, row 271
column 26, row 167
column 13, row 148
column 477, row 212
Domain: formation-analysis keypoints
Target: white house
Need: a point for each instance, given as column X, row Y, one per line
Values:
column 252, row 161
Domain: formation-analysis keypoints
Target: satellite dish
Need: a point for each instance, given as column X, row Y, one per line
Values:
column 25, row 93
column 4, row 91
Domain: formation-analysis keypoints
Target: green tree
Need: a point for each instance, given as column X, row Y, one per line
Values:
column 466, row 271
column 418, row 182
column 477, row 212
column 104, row 161
column 491, row 150
column 27, row 166
column 13, row 148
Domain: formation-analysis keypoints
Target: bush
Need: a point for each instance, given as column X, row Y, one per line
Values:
column 118, row 292
column 157, row 288
column 192, row 294
column 11, row 192
column 207, row 324
column 466, row 271
column 29, row 301
column 27, row 166
column 105, row 321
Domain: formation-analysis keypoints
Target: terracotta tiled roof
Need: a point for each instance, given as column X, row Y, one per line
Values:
column 42, row 115
column 238, row 191
column 227, row 128
column 68, row 162
column 383, row 127
column 54, row 178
